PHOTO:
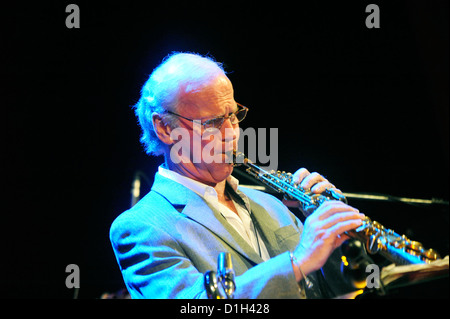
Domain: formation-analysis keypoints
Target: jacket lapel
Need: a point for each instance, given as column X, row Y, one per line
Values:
column 265, row 224
column 194, row 207
column 278, row 237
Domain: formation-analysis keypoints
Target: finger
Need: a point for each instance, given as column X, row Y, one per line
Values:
column 340, row 228
column 332, row 207
column 340, row 218
column 299, row 175
column 312, row 179
column 321, row 187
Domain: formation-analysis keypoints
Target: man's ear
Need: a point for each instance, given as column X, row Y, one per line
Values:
column 162, row 129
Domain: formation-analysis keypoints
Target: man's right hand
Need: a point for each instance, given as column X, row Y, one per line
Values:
column 323, row 232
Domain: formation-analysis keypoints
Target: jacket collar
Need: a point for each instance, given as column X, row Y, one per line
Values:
column 194, row 207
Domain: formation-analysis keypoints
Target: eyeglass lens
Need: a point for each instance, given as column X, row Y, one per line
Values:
column 235, row 118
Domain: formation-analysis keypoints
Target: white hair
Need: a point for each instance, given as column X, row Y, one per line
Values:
column 179, row 73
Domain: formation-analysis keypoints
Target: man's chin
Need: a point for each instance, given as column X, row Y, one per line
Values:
column 221, row 171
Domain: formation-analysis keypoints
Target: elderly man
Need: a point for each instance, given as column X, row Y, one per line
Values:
column 196, row 209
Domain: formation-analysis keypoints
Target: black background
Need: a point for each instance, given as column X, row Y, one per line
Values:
column 368, row 108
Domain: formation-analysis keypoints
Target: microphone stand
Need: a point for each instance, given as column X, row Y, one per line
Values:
column 390, row 198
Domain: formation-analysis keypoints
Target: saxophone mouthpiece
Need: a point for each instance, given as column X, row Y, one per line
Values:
column 239, row 158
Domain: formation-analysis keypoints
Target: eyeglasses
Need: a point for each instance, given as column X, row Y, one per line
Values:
column 217, row 122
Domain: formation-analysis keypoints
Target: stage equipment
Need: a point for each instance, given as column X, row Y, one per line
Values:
column 220, row 284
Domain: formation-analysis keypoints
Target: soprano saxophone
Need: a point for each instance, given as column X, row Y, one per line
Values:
column 375, row 237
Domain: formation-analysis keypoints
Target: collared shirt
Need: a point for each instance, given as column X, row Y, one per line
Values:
column 241, row 222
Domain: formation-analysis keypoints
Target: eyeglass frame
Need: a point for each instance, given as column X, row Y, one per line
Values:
column 224, row 117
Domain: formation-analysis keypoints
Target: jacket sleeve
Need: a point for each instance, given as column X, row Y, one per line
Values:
column 269, row 280
column 154, row 266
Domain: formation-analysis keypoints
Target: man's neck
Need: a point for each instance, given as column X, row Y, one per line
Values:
column 220, row 190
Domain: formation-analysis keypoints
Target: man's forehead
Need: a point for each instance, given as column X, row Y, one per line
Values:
column 216, row 90
column 213, row 85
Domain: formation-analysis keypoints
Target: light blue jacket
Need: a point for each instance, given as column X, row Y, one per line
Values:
column 171, row 237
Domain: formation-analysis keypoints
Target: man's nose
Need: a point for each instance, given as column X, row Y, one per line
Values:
column 230, row 130
column 227, row 123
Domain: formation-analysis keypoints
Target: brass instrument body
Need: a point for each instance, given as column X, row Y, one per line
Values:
column 375, row 237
